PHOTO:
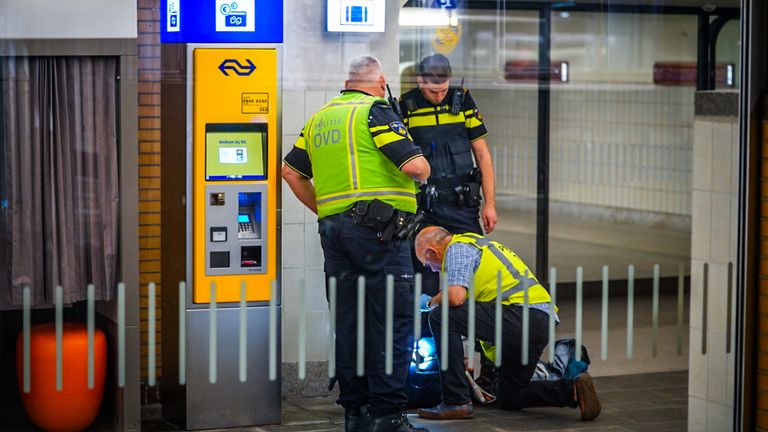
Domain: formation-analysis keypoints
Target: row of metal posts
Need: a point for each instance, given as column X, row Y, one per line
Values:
column 360, row 358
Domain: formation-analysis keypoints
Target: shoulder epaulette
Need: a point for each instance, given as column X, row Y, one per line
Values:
column 410, row 104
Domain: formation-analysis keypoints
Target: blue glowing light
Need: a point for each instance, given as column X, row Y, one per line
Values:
column 426, row 347
column 424, row 354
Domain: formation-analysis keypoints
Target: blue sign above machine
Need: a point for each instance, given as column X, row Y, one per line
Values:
column 221, row 21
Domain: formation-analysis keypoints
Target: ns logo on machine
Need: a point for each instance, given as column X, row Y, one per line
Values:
column 233, row 65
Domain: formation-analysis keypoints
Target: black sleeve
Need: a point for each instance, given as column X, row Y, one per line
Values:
column 403, row 109
column 473, row 119
column 298, row 158
column 391, row 136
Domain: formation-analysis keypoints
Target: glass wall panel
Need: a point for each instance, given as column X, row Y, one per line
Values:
column 621, row 143
column 482, row 46
column 642, row 186
column 727, row 56
column 622, row 149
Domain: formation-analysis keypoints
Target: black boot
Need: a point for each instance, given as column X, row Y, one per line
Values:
column 356, row 420
column 394, row 423
column 488, row 375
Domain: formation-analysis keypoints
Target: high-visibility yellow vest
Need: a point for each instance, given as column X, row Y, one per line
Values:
column 346, row 164
column 499, row 262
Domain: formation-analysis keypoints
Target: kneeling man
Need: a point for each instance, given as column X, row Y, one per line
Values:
column 471, row 257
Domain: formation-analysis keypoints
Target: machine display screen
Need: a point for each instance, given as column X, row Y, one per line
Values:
column 243, row 218
column 235, row 151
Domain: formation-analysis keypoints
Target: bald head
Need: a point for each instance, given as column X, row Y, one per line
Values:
column 365, row 74
column 430, row 245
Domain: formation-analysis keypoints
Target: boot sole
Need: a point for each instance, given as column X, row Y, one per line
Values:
column 589, row 404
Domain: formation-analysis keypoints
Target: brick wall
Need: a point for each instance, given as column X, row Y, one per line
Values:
column 149, row 164
column 761, row 417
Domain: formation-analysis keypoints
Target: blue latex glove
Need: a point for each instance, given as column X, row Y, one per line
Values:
column 423, row 300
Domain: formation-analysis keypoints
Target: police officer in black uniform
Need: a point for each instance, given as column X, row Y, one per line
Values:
column 445, row 122
column 354, row 164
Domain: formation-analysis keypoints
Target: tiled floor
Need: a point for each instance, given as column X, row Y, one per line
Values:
column 592, row 243
column 649, row 402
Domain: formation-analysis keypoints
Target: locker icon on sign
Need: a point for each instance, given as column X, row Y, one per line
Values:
column 357, row 13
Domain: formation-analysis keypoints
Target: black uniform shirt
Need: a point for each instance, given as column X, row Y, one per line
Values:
column 444, row 138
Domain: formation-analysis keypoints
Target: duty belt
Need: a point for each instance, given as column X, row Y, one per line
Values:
column 462, row 194
column 449, row 182
column 380, row 217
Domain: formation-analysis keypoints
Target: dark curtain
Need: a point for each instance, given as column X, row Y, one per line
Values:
column 60, row 176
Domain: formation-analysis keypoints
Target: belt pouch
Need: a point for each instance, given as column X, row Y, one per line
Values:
column 472, row 195
column 359, row 211
column 378, row 215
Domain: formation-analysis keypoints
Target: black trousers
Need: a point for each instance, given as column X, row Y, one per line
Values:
column 514, row 389
column 350, row 251
column 457, row 220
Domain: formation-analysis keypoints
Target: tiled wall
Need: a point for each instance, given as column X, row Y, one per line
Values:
column 714, row 243
column 302, row 254
column 622, row 146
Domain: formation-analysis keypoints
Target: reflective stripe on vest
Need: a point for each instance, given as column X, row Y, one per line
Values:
column 370, row 194
column 353, row 158
column 525, row 281
column 494, row 262
column 346, row 163
column 536, row 292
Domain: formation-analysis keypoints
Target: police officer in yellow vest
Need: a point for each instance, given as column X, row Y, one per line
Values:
column 355, row 165
column 472, row 258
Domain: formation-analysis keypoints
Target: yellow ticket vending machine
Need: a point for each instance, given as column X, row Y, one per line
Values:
column 232, row 244
column 234, row 172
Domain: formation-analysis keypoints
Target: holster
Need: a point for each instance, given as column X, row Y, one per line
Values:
column 468, row 195
column 410, row 225
column 378, row 216
column 427, row 197
column 462, row 191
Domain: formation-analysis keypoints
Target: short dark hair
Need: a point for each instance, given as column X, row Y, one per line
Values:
column 435, row 68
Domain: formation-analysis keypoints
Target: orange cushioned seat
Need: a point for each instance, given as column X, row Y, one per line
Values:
column 75, row 406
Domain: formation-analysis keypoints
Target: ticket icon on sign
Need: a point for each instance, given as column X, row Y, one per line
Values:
column 235, row 16
column 236, row 19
